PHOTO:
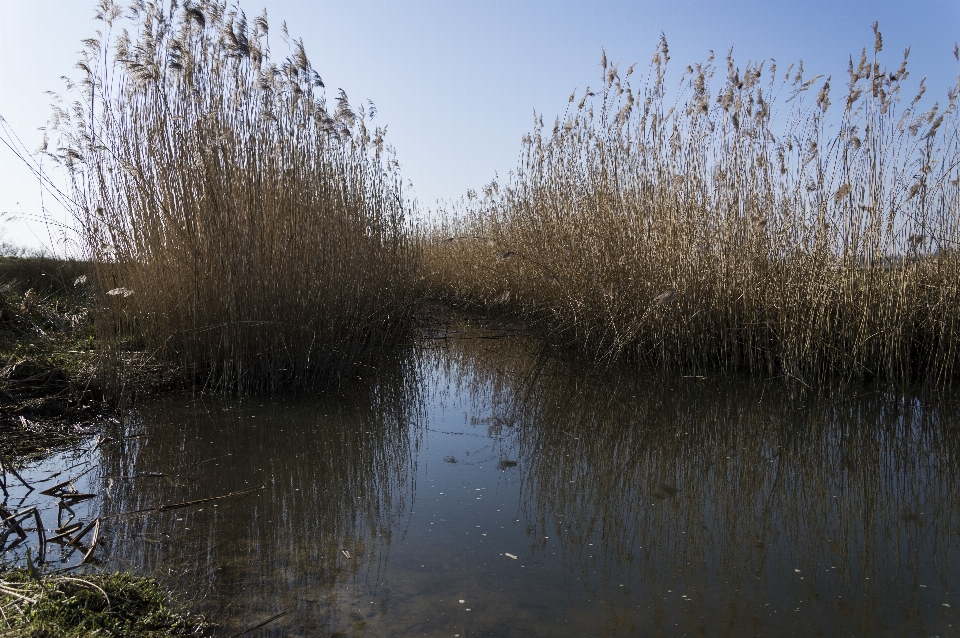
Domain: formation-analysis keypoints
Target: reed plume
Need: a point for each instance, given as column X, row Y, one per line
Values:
column 732, row 231
column 262, row 234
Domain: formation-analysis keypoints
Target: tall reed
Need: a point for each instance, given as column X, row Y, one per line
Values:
column 250, row 235
column 732, row 230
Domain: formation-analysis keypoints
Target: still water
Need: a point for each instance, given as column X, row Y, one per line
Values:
column 486, row 489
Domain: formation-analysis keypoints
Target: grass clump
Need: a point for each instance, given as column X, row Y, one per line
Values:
column 240, row 229
column 108, row 604
column 731, row 230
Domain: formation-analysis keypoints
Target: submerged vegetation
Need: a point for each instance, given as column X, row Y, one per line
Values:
column 241, row 230
column 732, row 231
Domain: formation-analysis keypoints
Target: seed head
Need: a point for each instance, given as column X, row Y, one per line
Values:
column 665, row 297
column 877, row 38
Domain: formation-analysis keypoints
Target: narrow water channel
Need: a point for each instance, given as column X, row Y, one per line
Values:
column 484, row 489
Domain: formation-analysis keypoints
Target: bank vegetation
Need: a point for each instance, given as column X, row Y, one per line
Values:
column 244, row 230
column 255, row 236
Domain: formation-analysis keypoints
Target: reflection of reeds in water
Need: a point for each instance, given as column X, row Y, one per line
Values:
column 720, row 489
column 337, row 477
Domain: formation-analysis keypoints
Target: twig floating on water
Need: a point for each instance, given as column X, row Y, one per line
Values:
column 93, row 545
column 173, row 506
column 263, row 624
column 5, row 465
column 58, row 489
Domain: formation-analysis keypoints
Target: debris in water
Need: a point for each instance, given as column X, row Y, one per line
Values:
column 510, row 556
column 665, row 297
column 665, row 491
column 172, row 506
column 345, row 553
column 450, row 459
column 5, row 466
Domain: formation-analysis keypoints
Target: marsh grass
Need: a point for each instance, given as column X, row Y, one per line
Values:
column 746, row 227
column 48, row 398
column 104, row 604
column 43, row 306
column 241, row 230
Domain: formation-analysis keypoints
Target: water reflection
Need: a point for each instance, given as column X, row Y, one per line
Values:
column 737, row 506
column 731, row 505
column 499, row 491
column 337, row 484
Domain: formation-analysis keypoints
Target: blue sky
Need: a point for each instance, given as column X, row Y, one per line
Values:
column 457, row 81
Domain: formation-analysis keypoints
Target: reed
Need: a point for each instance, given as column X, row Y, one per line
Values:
column 242, row 229
column 734, row 230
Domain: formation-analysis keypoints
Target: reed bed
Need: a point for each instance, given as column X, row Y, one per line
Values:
column 747, row 226
column 243, row 230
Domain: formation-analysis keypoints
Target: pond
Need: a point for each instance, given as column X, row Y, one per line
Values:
column 486, row 488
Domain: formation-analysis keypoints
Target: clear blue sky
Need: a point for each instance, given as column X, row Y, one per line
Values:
column 457, row 80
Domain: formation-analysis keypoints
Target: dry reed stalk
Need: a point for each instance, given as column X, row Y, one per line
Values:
column 247, row 234
column 730, row 232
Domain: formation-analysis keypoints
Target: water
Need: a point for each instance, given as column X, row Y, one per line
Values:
column 485, row 490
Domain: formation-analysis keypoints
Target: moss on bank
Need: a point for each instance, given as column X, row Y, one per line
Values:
column 107, row 604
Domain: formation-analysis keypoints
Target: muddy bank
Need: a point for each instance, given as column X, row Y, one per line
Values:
column 49, row 398
column 44, row 407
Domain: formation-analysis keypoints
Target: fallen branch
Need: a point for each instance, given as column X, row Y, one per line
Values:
column 173, row 506
column 263, row 624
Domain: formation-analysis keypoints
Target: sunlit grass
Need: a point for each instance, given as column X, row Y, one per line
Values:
column 91, row 605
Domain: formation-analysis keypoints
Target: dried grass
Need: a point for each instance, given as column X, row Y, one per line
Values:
column 733, row 231
column 242, row 231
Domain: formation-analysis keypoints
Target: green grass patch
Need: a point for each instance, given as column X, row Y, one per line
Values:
column 108, row 604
